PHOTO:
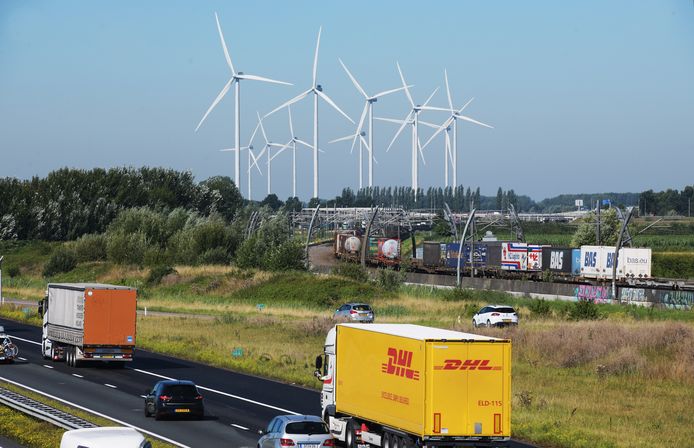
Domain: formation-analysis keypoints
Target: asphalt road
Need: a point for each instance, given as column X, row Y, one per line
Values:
column 237, row 405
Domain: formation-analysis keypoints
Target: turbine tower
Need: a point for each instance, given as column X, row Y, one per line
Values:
column 317, row 91
column 251, row 156
column 235, row 80
column 368, row 108
column 362, row 144
column 452, row 122
column 268, row 148
column 292, row 144
column 412, row 118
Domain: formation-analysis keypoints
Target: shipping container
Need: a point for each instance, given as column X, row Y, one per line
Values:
column 557, row 259
column 636, row 262
column 514, row 256
column 419, row 253
column 452, row 250
column 432, row 253
column 534, row 257
column 576, row 261
column 479, row 254
column 592, row 261
column 493, row 254
column 389, row 248
column 422, row 386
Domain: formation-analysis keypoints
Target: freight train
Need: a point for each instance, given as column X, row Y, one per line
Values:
column 501, row 259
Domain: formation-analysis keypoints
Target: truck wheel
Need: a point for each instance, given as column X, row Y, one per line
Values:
column 68, row 357
column 349, row 434
column 386, row 441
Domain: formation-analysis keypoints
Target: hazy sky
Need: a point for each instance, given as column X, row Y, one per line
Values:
column 585, row 96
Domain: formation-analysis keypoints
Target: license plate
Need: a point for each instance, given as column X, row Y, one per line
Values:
column 309, row 445
column 507, row 320
column 182, row 410
column 107, row 356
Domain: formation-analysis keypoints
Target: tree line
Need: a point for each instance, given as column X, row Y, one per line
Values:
column 668, row 202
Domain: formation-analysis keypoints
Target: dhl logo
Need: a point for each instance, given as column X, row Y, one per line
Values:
column 399, row 362
column 468, row 364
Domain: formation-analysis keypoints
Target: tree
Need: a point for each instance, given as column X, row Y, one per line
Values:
column 609, row 229
column 272, row 201
column 499, row 198
column 313, row 203
column 293, row 204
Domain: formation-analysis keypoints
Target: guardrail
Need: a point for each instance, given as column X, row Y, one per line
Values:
column 42, row 411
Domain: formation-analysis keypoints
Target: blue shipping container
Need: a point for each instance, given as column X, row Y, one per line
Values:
column 576, row 261
column 479, row 255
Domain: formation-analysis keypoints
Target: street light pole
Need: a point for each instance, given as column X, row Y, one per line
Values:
column 2, row 300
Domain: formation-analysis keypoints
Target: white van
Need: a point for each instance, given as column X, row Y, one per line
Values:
column 109, row 437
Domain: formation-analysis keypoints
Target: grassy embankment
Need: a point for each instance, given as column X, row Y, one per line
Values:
column 626, row 379
column 34, row 433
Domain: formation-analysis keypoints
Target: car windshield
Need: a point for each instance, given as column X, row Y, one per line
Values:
column 362, row 307
column 306, row 428
column 504, row 309
column 183, row 391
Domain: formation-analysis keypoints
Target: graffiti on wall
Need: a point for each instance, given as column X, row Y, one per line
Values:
column 596, row 294
column 675, row 299
column 633, row 296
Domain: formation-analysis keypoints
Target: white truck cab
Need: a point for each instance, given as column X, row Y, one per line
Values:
column 107, row 437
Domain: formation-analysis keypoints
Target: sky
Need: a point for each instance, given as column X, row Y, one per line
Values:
column 584, row 96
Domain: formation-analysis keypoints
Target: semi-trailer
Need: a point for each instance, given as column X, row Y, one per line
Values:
column 401, row 385
column 88, row 322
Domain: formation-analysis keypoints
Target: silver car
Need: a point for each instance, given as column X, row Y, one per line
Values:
column 299, row 431
column 355, row 312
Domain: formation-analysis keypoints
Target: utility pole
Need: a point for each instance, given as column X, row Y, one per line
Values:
column 597, row 224
column 2, row 300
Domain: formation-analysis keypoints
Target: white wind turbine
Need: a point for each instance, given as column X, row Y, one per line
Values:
column 269, row 156
column 317, row 91
column 235, row 79
column 451, row 122
column 252, row 159
column 362, row 144
column 292, row 144
column 412, row 118
column 368, row 108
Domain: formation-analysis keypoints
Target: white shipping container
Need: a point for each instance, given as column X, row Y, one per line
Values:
column 590, row 261
column 635, row 262
column 514, row 256
column 66, row 308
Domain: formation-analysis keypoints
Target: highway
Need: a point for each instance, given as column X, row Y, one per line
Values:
column 237, row 405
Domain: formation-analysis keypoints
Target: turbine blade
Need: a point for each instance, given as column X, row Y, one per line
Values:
column 262, row 129
column 224, row 45
column 431, row 96
column 228, row 149
column 291, row 125
column 361, row 123
column 404, row 123
column 365, row 143
column 315, row 57
column 329, row 101
column 466, row 105
column 354, row 81
column 390, row 120
column 432, row 125
column 449, row 148
column 433, row 136
column 283, row 147
column 308, row 145
column 448, row 90
column 224, row 91
column 463, row 117
column 388, row 92
column 342, row 139
column 421, row 153
column 261, row 78
column 442, row 109
column 255, row 163
column 292, row 101
column 255, row 131
column 404, row 84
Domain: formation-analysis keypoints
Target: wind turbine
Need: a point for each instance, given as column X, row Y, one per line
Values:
column 251, row 156
column 452, row 122
column 317, row 91
column 363, row 142
column 235, row 80
column 412, row 118
column 268, row 148
column 368, row 108
column 292, row 143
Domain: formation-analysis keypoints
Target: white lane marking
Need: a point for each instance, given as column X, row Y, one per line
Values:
column 143, row 396
column 25, row 340
column 21, row 359
column 110, row 385
column 199, row 387
column 77, row 375
column 48, row 367
column 239, row 426
column 248, row 400
column 120, row 422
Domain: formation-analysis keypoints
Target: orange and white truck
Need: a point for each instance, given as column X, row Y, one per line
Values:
column 88, row 322
column 401, row 385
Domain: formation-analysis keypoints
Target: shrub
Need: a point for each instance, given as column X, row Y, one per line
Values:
column 126, row 248
column 353, row 271
column 289, row 255
column 540, row 308
column 246, row 255
column 90, row 248
column 13, row 271
column 217, row 255
column 159, row 272
column 62, row 260
column 389, row 280
column 584, row 310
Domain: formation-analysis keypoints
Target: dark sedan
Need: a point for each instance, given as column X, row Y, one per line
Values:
column 174, row 398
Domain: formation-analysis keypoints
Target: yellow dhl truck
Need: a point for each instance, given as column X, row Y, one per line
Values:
column 401, row 385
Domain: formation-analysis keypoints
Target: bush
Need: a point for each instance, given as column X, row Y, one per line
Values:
column 289, row 255
column 540, row 308
column 159, row 272
column 584, row 310
column 126, row 248
column 351, row 270
column 217, row 255
column 389, row 280
column 62, row 260
column 13, row 271
column 90, row 248
column 246, row 255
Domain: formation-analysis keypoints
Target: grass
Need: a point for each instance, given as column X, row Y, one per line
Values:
column 35, row 433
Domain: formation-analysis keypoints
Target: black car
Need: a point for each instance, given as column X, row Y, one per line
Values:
column 174, row 398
